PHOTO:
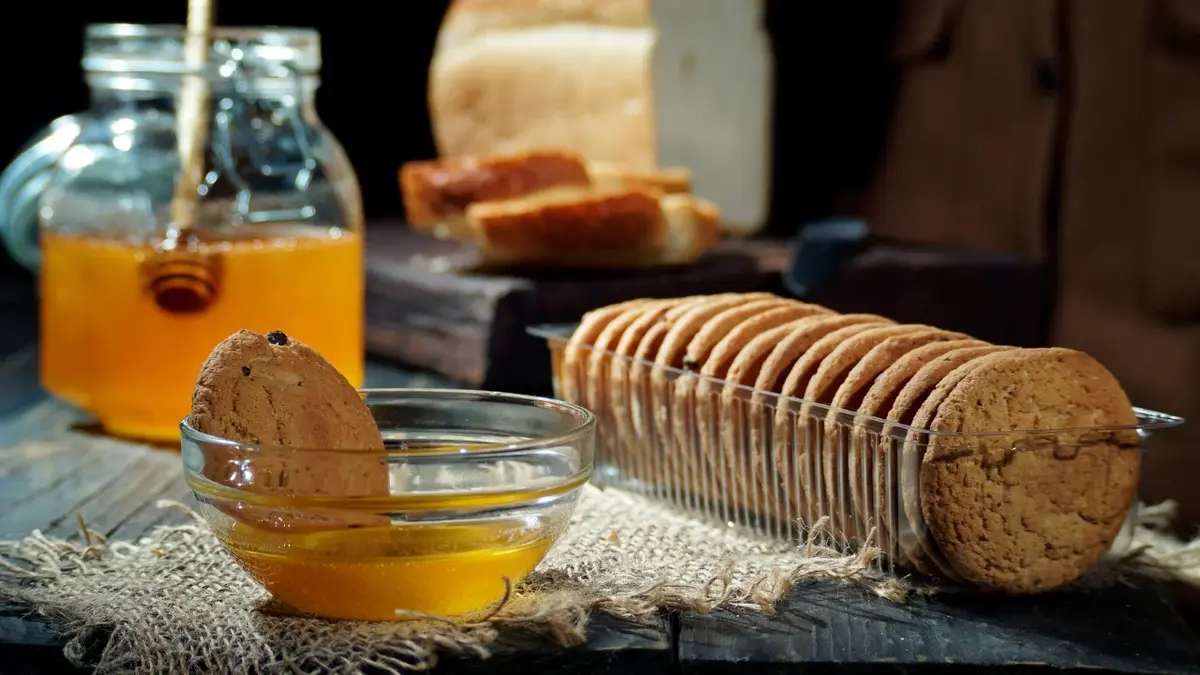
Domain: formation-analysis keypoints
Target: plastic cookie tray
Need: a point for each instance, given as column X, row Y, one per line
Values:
column 778, row 466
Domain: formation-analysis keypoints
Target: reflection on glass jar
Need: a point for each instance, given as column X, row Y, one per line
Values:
column 133, row 301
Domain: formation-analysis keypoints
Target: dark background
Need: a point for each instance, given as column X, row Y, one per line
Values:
column 830, row 69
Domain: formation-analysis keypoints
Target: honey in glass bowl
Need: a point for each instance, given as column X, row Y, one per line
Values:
column 481, row 485
column 124, row 324
column 397, row 571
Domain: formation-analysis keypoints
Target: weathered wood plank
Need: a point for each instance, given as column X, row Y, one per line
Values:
column 148, row 516
column 32, row 478
column 104, row 511
column 19, row 457
column 47, row 508
column 613, row 646
column 26, row 411
column 1121, row 630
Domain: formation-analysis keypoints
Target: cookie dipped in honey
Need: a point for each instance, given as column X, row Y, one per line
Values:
column 310, row 435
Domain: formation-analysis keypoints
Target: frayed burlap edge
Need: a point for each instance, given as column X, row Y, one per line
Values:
column 561, row 611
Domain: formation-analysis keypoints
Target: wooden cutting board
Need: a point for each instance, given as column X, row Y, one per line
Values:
column 429, row 303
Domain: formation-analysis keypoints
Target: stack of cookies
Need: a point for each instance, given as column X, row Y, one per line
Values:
column 999, row 467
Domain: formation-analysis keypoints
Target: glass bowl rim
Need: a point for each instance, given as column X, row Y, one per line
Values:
column 585, row 425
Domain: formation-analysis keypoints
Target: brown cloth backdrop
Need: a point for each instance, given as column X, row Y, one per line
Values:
column 1067, row 130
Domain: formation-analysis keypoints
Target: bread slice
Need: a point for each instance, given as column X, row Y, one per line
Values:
column 667, row 179
column 437, row 193
column 550, row 208
column 469, row 20
column 607, row 228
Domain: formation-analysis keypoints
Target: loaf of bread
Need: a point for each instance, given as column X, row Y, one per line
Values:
column 609, row 80
column 592, row 63
column 1002, row 468
column 550, row 208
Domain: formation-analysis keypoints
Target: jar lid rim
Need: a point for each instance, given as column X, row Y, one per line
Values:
column 100, row 30
column 159, row 48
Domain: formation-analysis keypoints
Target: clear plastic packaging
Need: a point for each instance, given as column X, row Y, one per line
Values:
column 779, row 465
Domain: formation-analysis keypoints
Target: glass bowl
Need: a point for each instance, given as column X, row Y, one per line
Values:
column 472, row 490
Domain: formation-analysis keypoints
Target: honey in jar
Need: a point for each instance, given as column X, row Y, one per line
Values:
column 126, row 325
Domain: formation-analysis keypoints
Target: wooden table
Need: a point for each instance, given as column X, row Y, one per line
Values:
column 53, row 464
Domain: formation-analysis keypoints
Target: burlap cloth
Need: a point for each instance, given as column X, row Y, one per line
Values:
column 175, row 602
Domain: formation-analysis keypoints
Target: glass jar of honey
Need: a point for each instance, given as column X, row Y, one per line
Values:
column 135, row 292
